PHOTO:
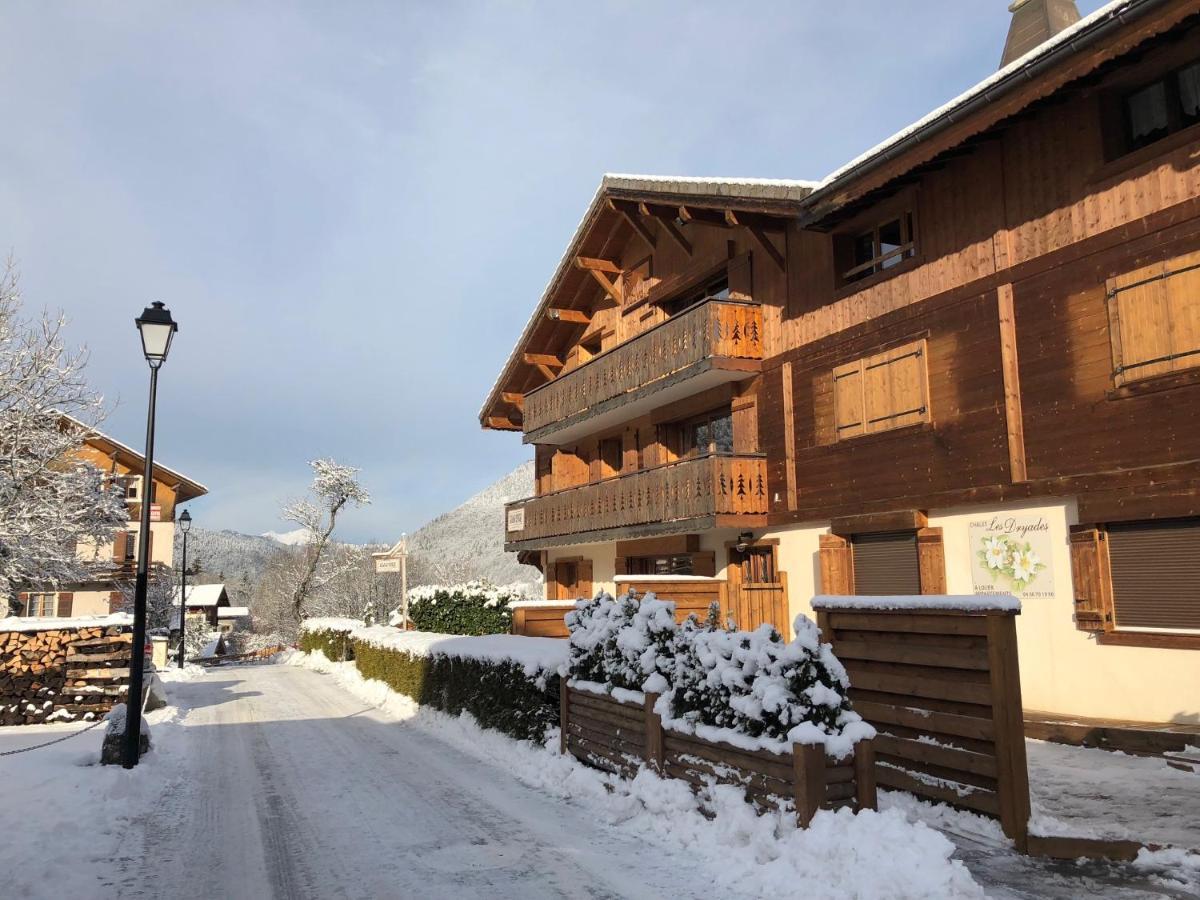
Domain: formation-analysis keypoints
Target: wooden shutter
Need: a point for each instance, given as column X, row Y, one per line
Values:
column 894, row 388
column 115, row 601
column 583, row 587
column 931, row 560
column 66, row 603
column 837, row 565
column 848, row 400
column 552, row 581
column 120, row 541
column 886, row 564
column 1154, row 319
column 1090, row 575
column 23, row 599
column 150, row 547
column 1155, row 570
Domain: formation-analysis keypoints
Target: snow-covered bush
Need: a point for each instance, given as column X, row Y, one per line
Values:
column 329, row 636
column 622, row 643
column 726, row 682
column 472, row 608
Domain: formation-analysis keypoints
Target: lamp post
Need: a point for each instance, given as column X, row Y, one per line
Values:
column 185, row 525
column 157, row 328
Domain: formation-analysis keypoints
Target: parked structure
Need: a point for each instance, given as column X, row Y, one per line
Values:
column 117, row 562
column 966, row 362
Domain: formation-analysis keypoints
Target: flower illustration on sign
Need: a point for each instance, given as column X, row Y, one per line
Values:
column 1013, row 559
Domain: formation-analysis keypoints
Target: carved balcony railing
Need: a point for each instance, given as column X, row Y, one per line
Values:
column 716, row 330
column 713, row 487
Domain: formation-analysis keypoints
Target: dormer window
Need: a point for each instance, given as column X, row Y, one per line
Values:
column 864, row 253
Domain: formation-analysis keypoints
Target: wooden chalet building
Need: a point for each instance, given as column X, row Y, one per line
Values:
column 115, row 564
column 966, row 362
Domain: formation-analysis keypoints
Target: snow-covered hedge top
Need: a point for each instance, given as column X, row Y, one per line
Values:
column 748, row 688
column 490, row 594
column 342, row 626
column 965, row 602
column 535, row 655
column 19, row 623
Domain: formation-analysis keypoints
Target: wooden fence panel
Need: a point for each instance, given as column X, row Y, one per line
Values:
column 943, row 689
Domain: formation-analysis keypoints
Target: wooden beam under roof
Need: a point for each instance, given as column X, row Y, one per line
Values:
column 767, row 244
column 706, row 216
column 629, row 212
column 599, row 265
column 543, row 359
column 576, row 316
column 666, row 216
column 612, row 287
column 513, row 399
column 503, row 423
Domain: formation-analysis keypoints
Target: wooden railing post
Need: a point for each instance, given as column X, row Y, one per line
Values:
column 865, row 793
column 808, row 780
column 1007, row 720
column 654, row 735
column 564, row 703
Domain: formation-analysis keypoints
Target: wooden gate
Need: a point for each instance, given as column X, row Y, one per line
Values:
column 943, row 688
column 757, row 590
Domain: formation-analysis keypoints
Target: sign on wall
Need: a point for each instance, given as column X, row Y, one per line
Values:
column 516, row 519
column 1011, row 554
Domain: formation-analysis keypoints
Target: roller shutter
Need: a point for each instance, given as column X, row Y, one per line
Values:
column 1156, row 574
column 886, row 563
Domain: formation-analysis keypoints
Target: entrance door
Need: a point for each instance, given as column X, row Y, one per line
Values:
column 757, row 589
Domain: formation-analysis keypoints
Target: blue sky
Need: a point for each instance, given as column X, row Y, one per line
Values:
column 351, row 208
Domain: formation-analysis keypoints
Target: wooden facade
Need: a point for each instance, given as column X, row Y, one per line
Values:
column 1023, row 324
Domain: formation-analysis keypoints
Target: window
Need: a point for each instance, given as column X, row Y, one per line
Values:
column 673, row 564
column 1154, row 319
column 886, row 564
column 41, row 605
column 610, row 457
column 709, row 433
column 1156, row 574
column 1155, row 110
column 878, row 249
column 881, row 392
column 757, row 565
column 716, row 289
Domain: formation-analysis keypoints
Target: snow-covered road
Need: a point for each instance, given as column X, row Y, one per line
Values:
column 300, row 791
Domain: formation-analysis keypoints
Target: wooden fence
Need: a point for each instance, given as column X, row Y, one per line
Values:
column 542, row 620
column 943, row 689
column 750, row 605
column 620, row 737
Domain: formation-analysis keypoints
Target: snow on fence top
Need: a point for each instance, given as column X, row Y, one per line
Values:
column 635, row 579
column 18, row 623
column 492, row 595
column 343, row 626
column 963, row 602
column 543, row 604
column 535, row 655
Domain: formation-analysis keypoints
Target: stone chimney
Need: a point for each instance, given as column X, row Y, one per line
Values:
column 1034, row 22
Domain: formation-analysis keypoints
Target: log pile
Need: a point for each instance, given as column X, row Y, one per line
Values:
column 62, row 674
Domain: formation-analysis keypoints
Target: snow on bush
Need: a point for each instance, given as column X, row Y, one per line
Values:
column 472, row 608
column 750, row 688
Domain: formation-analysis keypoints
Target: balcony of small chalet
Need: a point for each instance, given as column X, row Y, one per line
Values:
column 714, row 342
column 714, row 490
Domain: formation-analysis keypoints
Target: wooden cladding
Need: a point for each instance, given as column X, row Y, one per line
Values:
column 1154, row 319
column 881, row 392
column 716, row 329
column 695, row 488
column 943, row 689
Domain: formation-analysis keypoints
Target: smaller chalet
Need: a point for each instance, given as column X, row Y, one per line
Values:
column 212, row 602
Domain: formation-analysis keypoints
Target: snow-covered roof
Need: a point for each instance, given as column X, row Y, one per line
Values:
column 233, row 612
column 751, row 189
column 200, row 595
column 947, row 111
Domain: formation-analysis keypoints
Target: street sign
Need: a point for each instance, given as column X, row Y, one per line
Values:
column 387, row 565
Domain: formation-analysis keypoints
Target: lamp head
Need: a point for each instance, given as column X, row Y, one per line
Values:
column 185, row 522
column 157, row 328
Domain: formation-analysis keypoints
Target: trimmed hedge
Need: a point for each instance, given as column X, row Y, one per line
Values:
column 474, row 608
column 497, row 693
column 336, row 645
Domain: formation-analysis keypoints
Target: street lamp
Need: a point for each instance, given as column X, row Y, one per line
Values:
column 185, row 525
column 157, row 328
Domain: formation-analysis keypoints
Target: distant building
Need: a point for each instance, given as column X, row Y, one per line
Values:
column 118, row 560
column 210, row 602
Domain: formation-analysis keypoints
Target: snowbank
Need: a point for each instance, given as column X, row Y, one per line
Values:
column 839, row 857
column 964, row 602
column 342, row 626
column 19, row 623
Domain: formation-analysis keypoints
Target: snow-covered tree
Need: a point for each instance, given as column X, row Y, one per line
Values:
column 334, row 487
column 51, row 501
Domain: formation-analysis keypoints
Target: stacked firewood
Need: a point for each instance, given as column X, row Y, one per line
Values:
column 64, row 674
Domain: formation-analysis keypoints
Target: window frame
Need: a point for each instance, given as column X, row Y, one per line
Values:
column 1169, row 79
column 878, row 264
column 39, row 598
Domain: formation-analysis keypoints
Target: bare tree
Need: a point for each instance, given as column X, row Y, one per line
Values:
column 52, row 502
column 334, row 487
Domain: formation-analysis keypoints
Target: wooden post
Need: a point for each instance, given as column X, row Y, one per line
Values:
column 654, row 735
column 563, row 714
column 1007, row 721
column 864, row 775
column 808, row 780
column 518, row 622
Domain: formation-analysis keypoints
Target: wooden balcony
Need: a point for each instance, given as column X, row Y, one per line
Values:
column 714, row 491
column 714, row 342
